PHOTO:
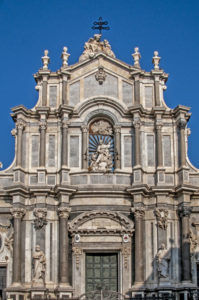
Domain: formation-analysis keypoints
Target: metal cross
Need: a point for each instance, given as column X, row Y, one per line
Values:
column 99, row 25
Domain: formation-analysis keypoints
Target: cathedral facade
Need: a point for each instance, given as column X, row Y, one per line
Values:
column 101, row 195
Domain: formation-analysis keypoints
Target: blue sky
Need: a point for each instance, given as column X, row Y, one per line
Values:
column 27, row 27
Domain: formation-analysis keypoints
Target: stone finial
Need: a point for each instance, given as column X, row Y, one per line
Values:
column 45, row 60
column 156, row 60
column 136, row 57
column 65, row 55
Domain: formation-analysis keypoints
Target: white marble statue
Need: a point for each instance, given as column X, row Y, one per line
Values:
column 39, row 263
column 102, row 159
column 163, row 259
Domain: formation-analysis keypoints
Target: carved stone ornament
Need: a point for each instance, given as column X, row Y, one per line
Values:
column 43, row 125
column 162, row 217
column 101, row 160
column 40, row 217
column 39, row 267
column 100, row 75
column 77, row 252
column 94, row 46
column 101, row 127
column 64, row 212
column 126, row 251
column 182, row 123
column 101, row 222
column 20, row 125
column 18, row 213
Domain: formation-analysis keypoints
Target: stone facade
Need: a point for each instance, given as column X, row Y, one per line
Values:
column 100, row 172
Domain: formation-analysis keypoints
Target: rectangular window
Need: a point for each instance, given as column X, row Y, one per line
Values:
column 74, row 151
column 167, row 150
column 35, row 151
column 51, row 151
column 52, row 96
column 150, row 150
column 148, row 96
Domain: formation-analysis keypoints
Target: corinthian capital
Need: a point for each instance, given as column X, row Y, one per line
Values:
column 138, row 212
column 18, row 213
column 65, row 124
column 117, row 129
column 182, row 123
column 20, row 124
column 64, row 212
column 137, row 123
column 43, row 125
column 185, row 211
column 84, row 128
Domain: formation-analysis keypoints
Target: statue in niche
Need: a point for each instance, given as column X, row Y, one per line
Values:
column 101, row 146
column 102, row 159
column 39, row 266
column 163, row 260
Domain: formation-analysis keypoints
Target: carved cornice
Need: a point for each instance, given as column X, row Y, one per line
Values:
column 126, row 225
column 138, row 212
column 40, row 217
column 162, row 217
column 18, row 213
column 64, row 212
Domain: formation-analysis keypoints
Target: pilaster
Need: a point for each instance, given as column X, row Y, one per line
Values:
column 84, row 146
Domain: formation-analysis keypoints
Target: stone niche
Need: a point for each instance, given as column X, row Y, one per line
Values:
column 101, row 232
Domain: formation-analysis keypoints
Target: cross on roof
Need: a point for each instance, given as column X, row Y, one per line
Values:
column 100, row 25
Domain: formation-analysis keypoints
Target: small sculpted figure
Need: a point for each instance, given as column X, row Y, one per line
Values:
column 39, row 263
column 163, row 259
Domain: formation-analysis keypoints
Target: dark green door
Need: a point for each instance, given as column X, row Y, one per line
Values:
column 2, row 282
column 101, row 271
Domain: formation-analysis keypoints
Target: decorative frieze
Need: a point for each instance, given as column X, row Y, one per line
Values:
column 162, row 217
column 40, row 217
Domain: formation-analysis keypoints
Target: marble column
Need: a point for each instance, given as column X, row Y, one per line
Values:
column 63, row 213
column 64, row 143
column 137, row 90
column 64, row 90
column 157, row 91
column 17, row 214
column 185, row 242
column 137, row 124
column 117, row 147
column 84, row 146
column 20, row 126
column 44, row 91
column 182, row 125
column 42, row 156
column 159, row 145
column 139, row 244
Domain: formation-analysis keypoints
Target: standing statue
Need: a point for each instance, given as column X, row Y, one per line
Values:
column 39, row 263
column 163, row 259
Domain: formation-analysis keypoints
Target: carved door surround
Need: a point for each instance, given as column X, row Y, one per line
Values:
column 101, row 232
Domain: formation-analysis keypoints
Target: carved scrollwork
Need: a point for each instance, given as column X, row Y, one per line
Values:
column 40, row 217
column 162, row 217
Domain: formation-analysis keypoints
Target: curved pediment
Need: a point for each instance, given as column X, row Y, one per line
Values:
column 101, row 221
